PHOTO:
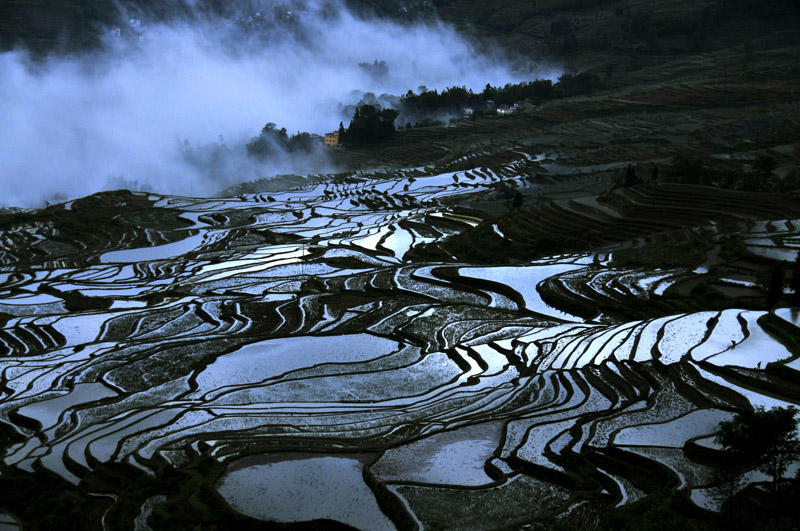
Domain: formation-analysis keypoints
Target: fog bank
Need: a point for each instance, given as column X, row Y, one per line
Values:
column 168, row 107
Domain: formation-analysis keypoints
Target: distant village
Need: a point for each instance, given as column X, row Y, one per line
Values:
column 502, row 110
column 333, row 139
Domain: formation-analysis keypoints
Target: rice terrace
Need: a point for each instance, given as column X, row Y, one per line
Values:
column 552, row 303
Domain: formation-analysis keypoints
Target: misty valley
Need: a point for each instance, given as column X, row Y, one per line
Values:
column 501, row 265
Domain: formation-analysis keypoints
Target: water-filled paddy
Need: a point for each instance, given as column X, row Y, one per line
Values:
column 302, row 487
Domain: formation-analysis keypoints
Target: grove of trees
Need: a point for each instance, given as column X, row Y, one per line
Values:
column 455, row 99
column 762, row 438
column 370, row 124
column 273, row 142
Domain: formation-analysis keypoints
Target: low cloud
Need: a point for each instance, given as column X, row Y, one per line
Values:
column 169, row 106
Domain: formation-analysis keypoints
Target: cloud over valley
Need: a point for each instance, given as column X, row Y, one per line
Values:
column 168, row 106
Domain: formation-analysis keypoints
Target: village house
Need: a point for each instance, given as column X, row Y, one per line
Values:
column 332, row 139
column 512, row 109
column 505, row 110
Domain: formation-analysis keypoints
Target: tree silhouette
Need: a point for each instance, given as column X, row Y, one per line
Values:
column 763, row 168
column 775, row 286
column 763, row 438
column 630, row 177
column 371, row 124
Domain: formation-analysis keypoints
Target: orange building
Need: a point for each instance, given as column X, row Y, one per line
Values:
column 332, row 139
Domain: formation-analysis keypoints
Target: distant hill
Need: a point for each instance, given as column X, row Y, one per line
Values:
column 68, row 25
column 623, row 35
column 605, row 35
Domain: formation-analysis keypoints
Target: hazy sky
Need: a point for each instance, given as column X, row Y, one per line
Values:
column 170, row 110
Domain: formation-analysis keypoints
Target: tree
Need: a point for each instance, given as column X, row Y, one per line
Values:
column 273, row 143
column 377, row 70
column 574, row 85
column 764, row 165
column 301, row 143
column 687, row 171
column 371, row 124
column 517, row 201
column 269, row 143
column 762, row 438
column 763, row 168
column 729, row 480
column 775, row 286
column 630, row 177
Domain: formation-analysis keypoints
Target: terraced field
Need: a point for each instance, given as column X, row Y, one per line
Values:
column 305, row 340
